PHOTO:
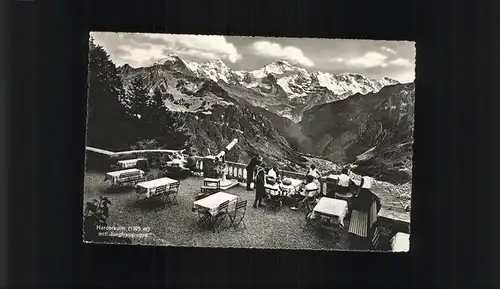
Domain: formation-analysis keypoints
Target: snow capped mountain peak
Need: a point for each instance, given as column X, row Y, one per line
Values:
column 171, row 58
column 278, row 67
column 215, row 70
column 217, row 64
column 285, row 88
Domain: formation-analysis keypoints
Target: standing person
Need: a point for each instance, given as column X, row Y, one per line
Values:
column 313, row 172
column 191, row 162
column 256, row 160
column 364, row 198
column 260, row 181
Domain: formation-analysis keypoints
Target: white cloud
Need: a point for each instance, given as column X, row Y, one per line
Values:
column 406, row 77
column 142, row 56
column 204, row 46
column 337, row 59
column 401, row 62
column 387, row 49
column 369, row 59
column 144, row 49
column 274, row 50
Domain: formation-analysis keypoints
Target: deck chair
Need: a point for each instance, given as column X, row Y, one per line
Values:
column 238, row 216
column 172, row 193
column 221, row 215
column 381, row 239
column 376, row 239
column 359, row 223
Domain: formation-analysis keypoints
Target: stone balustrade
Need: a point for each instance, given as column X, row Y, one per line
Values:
column 238, row 171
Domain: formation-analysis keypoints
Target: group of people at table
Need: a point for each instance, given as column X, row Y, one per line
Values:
column 268, row 184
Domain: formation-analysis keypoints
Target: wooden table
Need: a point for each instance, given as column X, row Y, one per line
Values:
column 117, row 176
column 400, row 242
column 330, row 207
column 148, row 188
column 128, row 163
column 213, row 202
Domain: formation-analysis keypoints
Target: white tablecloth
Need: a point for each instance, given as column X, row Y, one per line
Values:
column 332, row 208
column 291, row 189
column 149, row 187
column 213, row 202
column 128, row 163
column 401, row 242
column 114, row 177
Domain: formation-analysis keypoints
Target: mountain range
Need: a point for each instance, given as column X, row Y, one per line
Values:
column 278, row 87
column 282, row 111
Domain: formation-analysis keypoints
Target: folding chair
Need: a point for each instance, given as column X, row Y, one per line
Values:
column 140, row 180
column 138, row 194
column 311, row 220
column 239, row 214
column 203, row 215
column 274, row 198
column 173, row 191
column 122, row 179
column 161, row 192
column 150, row 178
column 222, row 213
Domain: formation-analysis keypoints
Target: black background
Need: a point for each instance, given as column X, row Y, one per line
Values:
column 454, row 221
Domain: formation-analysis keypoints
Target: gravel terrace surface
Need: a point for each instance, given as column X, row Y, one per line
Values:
column 177, row 225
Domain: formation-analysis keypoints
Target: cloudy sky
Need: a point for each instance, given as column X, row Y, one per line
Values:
column 394, row 59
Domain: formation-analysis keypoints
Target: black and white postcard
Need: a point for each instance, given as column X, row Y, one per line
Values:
column 249, row 142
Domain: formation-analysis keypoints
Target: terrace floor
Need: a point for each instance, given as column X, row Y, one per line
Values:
column 177, row 225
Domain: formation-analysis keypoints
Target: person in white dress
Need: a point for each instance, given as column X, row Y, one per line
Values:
column 313, row 171
column 344, row 182
column 272, row 175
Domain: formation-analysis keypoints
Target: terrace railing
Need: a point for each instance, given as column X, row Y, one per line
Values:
column 238, row 171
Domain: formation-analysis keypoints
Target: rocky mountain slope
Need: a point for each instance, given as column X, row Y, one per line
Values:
column 279, row 87
column 372, row 128
column 373, row 131
column 214, row 116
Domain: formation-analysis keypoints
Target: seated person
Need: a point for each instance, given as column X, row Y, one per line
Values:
column 331, row 185
column 272, row 175
column 307, row 194
column 344, row 182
